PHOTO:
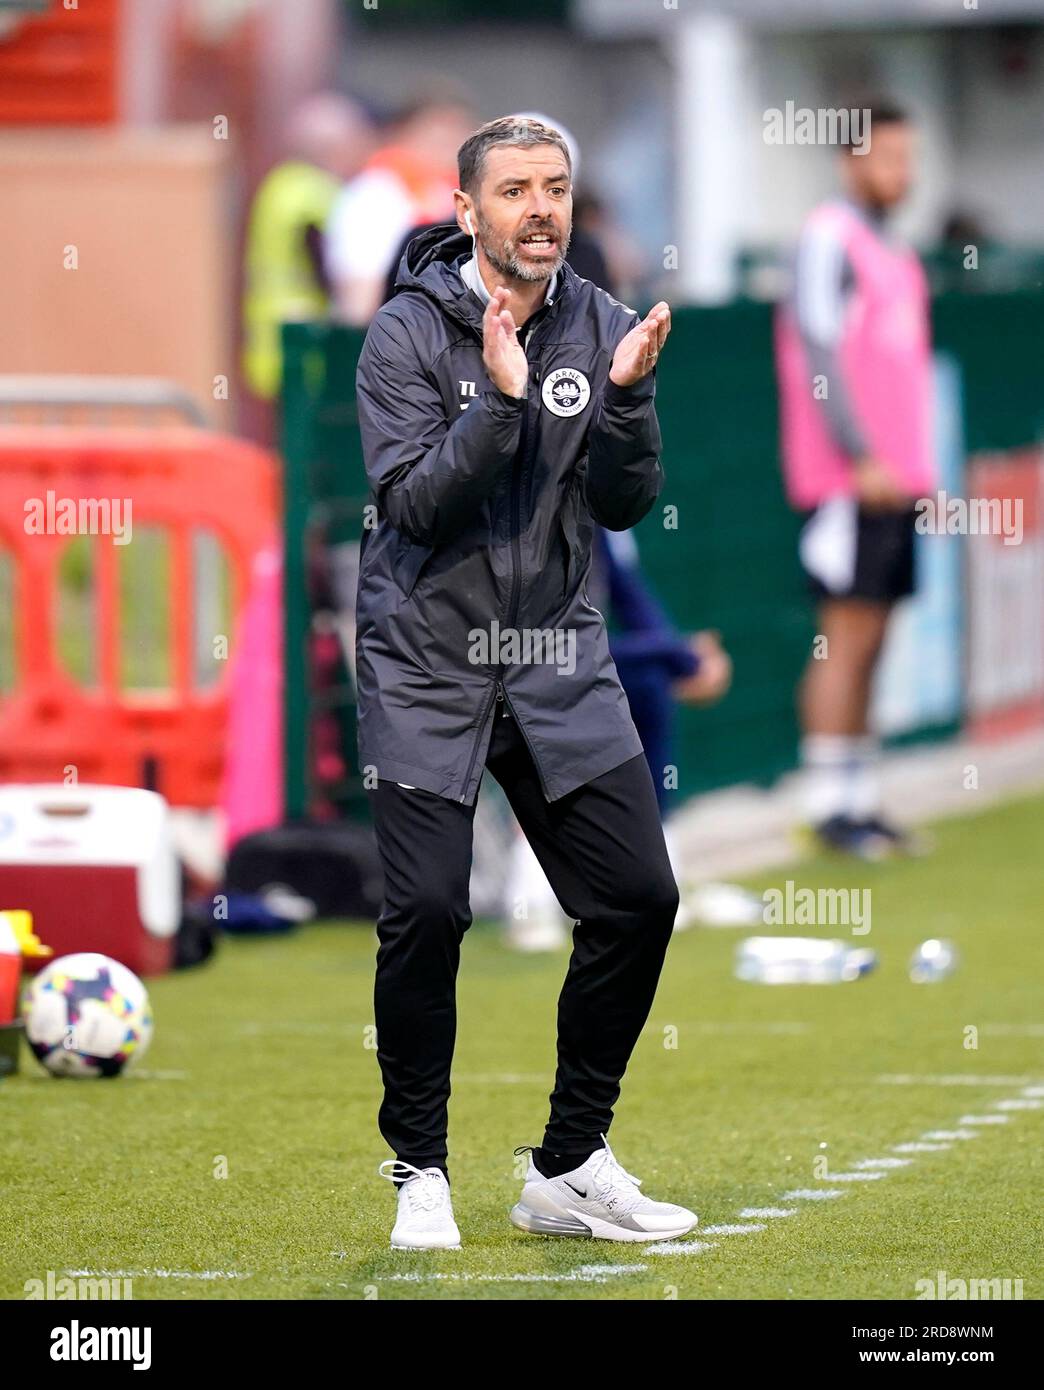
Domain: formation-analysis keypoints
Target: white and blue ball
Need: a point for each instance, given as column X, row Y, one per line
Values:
column 87, row 1015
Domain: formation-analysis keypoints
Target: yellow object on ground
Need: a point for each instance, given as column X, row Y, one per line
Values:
column 21, row 923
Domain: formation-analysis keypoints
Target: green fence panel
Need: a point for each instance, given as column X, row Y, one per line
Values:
column 325, row 490
column 731, row 562
column 999, row 341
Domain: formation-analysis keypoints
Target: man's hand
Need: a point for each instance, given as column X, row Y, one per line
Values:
column 501, row 352
column 876, row 488
column 714, row 676
column 636, row 354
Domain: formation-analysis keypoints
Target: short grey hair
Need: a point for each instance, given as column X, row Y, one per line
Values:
column 520, row 132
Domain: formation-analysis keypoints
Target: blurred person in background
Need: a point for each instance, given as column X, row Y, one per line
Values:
column 328, row 138
column 962, row 232
column 408, row 181
column 854, row 368
column 625, row 263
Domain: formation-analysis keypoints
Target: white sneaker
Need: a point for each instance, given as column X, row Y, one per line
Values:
column 425, row 1218
column 600, row 1199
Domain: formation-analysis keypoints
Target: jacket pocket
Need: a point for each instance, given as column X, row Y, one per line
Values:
column 576, row 533
column 570, row 541
column 408, row 564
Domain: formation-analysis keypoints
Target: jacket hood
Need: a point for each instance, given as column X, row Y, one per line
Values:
column 429, row 264
column 436, row 246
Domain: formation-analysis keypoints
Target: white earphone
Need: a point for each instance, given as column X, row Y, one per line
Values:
column 467, row 223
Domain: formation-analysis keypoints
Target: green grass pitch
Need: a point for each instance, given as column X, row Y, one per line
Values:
column 260, row 1065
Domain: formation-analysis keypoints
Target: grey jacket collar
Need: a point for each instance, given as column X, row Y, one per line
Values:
column 469, row 273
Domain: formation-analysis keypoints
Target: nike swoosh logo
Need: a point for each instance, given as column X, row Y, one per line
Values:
column 574, row 1189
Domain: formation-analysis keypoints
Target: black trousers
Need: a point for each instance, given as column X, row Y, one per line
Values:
column 603, row 851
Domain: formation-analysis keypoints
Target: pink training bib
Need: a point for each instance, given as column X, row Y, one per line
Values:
column 885, row 355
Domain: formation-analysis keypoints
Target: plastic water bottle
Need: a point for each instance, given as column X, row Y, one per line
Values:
column 933, row 960
column 800, row 960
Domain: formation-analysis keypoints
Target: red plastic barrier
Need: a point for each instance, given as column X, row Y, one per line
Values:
column 179, row 480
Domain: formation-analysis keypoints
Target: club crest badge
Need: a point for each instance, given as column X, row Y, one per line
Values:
column 566, row 392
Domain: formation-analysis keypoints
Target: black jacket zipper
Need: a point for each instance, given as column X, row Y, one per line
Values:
column 495, row 692
column 519, row 465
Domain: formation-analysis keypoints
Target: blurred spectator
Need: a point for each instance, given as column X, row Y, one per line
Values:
column 854, row 367
column 961, row 229
column 409, row 180
column 328, row 138
column 625, row 266
column 964, row 245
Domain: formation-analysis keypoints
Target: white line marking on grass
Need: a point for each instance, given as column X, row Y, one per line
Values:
column 954, row 1079
column 680, row 1247
column 144, row 1074
column 872, row 1169
column 586, row 1274
column 158, row 1274
column 812, row 1194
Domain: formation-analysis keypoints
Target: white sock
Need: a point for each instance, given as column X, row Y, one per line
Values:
column 864, row 786
column 827, row 759
column 842, row 776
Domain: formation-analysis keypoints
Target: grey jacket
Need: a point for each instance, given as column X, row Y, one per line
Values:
column 472, row 585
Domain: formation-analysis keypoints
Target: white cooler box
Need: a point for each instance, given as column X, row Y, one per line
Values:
column 96, row 868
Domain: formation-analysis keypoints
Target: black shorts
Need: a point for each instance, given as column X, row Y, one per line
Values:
column 858, row 554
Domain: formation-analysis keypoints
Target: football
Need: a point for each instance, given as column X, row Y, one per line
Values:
column 87, row 1015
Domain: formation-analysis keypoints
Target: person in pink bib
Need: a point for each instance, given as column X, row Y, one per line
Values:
column 853, row 361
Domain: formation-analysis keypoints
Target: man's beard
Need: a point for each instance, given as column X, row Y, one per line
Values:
column 502, row 255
